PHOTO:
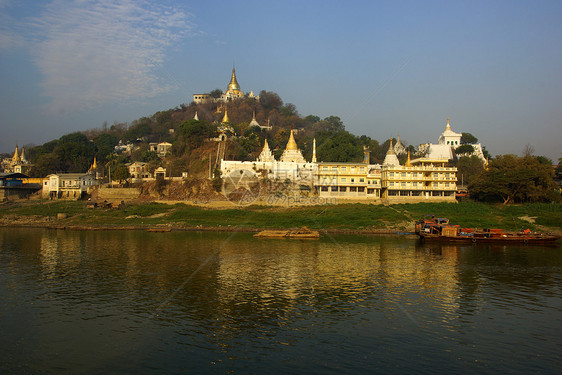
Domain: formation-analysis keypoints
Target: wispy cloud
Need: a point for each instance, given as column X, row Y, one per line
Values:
column 98, row 51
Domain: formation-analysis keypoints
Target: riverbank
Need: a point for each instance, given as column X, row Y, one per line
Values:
column 343, row 218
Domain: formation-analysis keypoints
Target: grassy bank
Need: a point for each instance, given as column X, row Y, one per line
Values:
column 345, row 216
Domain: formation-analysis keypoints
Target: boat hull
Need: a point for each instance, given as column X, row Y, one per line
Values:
column 540, row 239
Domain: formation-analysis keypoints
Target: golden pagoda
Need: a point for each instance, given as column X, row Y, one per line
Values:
column 233, row 88
column 291, row 145
column 292, row 154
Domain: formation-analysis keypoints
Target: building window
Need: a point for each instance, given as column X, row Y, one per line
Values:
column 391, row 183
column 390, row 174
column 403, row 174
column 353, row 189
column 370, row 191
column 352, row 180
column 334, row 188
column 343, row 179
column 403, row 184
column 343, row 189
column 361, row 189
column 362, row 169
column 324, row 188
column 361, row 180
column 343, row 169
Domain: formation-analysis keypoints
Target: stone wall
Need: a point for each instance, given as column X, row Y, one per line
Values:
column 112, row 194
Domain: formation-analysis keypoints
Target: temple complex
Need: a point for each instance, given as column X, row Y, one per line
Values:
column 446, row 145
column 232, row 92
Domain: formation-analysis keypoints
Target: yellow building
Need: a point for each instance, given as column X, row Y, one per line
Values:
column 424, row 179
column 418, row 180
column 348, row 180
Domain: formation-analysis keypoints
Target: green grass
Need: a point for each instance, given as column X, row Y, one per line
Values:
column 345, row 216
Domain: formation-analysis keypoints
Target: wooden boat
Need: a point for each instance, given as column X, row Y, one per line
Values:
column 432, row 228
column 303, row 233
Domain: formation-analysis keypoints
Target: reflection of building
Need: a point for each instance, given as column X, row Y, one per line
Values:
column 232, row 92
column 68, row 185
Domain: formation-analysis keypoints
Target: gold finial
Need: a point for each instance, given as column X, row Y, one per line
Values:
column 291, row 145
column 408, row 164
column 225, row 118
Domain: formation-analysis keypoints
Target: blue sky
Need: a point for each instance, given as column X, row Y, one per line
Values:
column 493, row 67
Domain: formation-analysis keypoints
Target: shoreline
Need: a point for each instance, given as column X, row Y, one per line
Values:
column 199, row 228
column 351, row 219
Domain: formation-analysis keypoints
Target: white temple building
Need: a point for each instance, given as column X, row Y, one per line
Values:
column 447, row 143
column 291, row 166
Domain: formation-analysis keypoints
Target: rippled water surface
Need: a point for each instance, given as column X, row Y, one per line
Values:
column 138, row 302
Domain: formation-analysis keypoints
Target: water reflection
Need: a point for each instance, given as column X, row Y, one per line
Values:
column 227, row 298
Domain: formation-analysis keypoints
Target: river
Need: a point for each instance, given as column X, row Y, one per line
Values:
column 101, row 302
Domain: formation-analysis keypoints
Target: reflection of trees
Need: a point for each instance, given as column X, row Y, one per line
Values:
column 228, row 287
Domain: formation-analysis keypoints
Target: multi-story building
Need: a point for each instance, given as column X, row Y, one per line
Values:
column 68, row 185
column 418, row 180
column 348, row 180
column 421, row 179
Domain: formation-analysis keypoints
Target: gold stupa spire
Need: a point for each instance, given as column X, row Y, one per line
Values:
column 408, row 164
column 16, row 157
column 291, row 145
column 233, row 86
column 225, row 118
column 448, row 125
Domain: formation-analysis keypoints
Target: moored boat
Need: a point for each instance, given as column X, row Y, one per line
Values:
column 303, row 233
column 432, row 228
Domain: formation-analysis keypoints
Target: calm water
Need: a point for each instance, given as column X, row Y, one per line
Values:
column 138, row 302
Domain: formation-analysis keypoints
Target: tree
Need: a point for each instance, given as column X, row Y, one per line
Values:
column 195, row 132
column 467, row 138
column 270, row 100
column 75, row 152
column 216, row 93
column 105, row 144
column 121, row 173
column 515, row 179
column 468, row 168
column 339, row 147
column 464, row 149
